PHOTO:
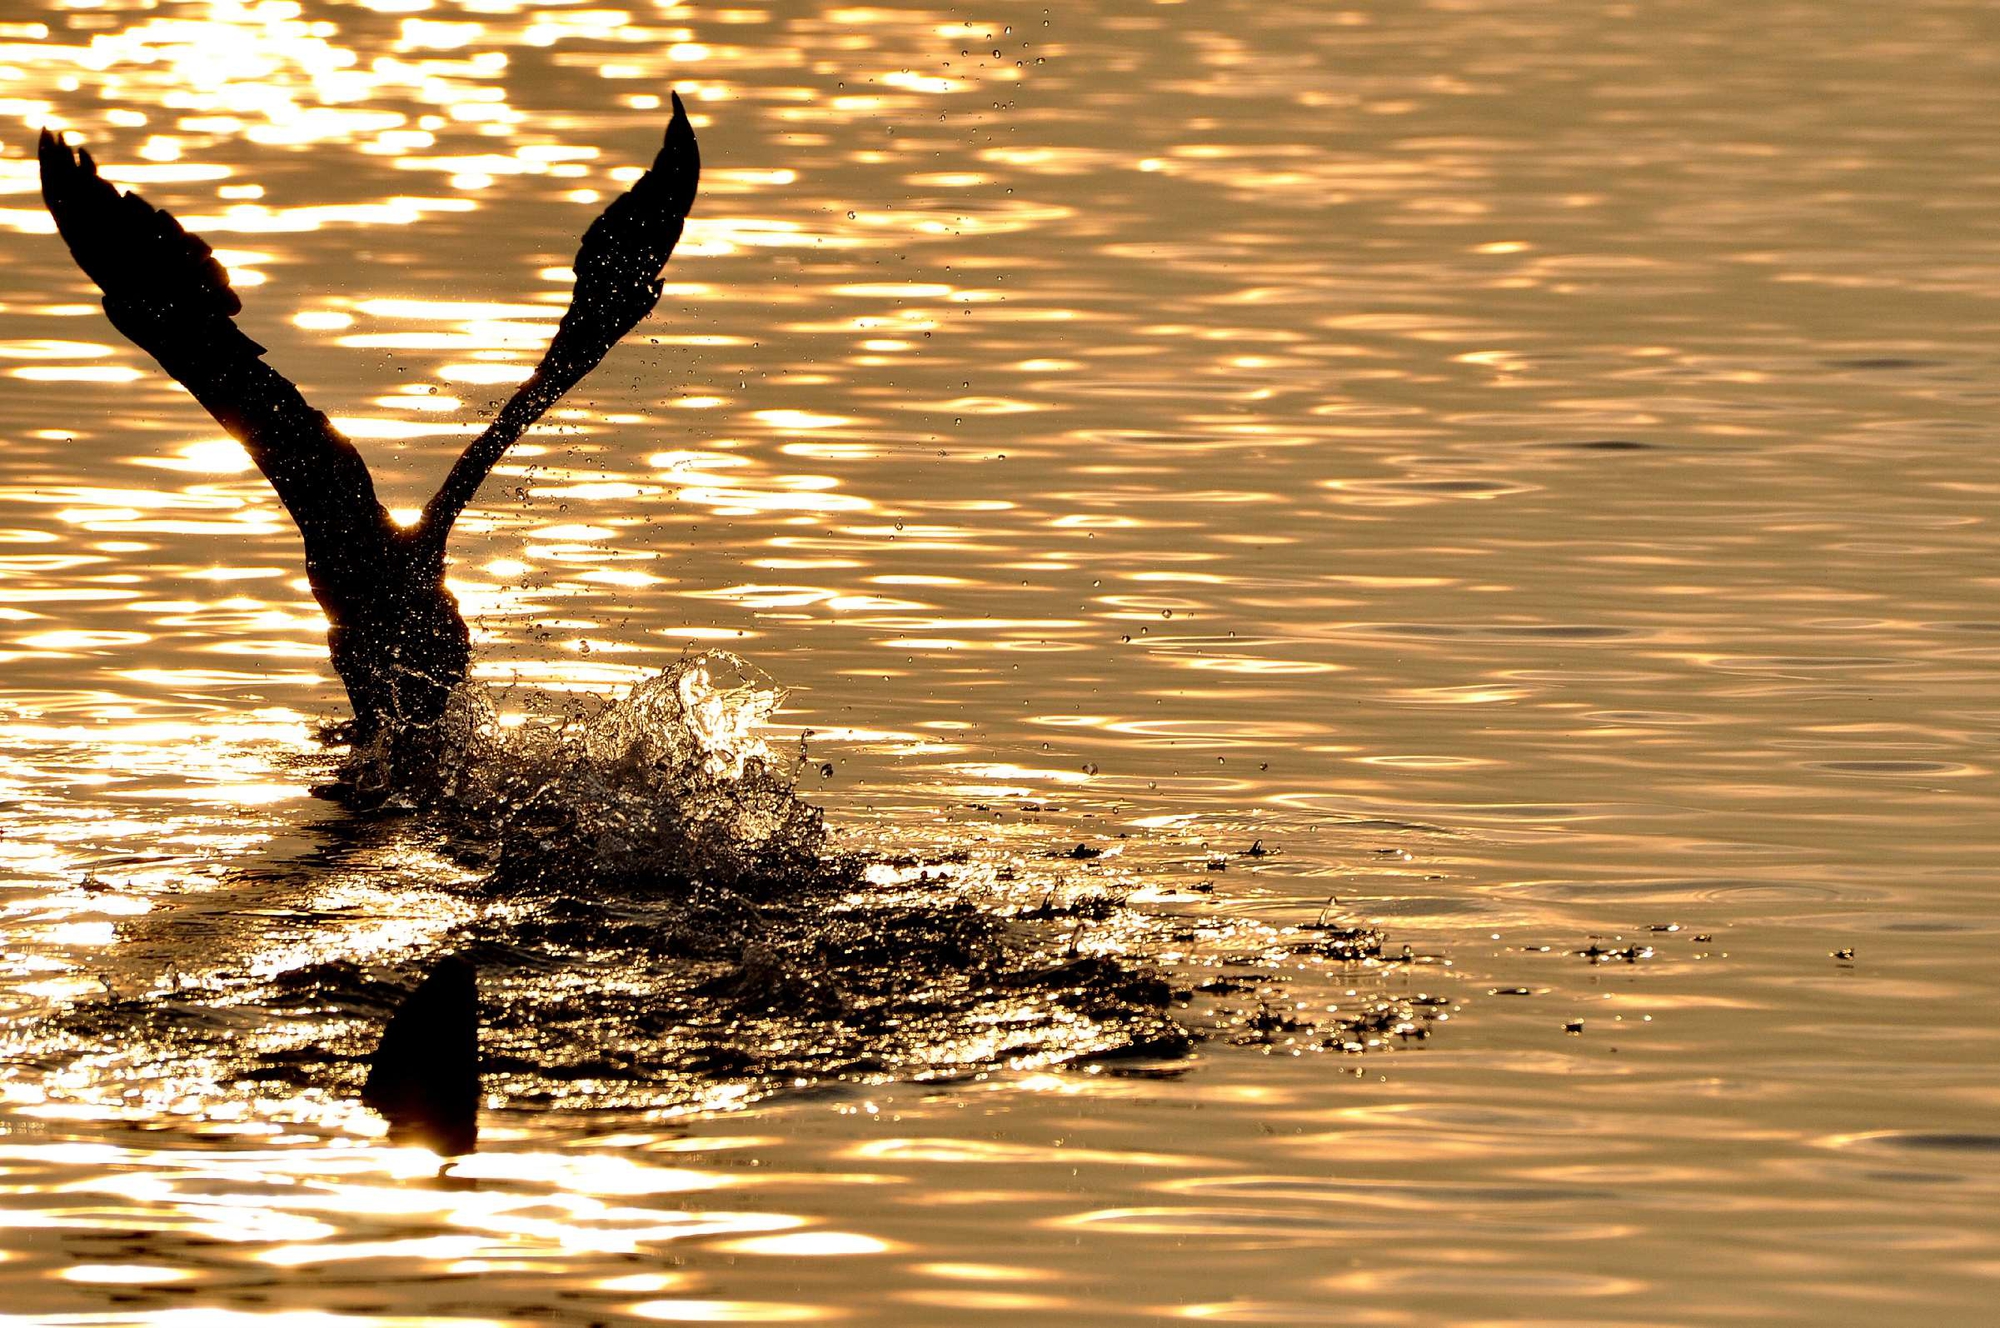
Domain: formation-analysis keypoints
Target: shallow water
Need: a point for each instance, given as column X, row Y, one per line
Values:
column 1523, row 464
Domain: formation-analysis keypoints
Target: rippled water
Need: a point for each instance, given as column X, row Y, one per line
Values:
column 1523, row 466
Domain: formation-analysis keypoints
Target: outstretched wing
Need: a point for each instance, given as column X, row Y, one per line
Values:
column 131, row 249
column 619, row 263
column 166, row 292
column 618, row 282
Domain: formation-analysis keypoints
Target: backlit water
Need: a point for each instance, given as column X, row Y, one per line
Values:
column 1527, row 466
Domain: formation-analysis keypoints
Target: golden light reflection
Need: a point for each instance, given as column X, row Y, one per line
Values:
column 212, row 456
column 1009, row 1154
column 646, row 1283
column 493, row 375
column 78, row 373
column 733, row 1311
column 999, row 1302
column 124, row 1274
column 810, row 1244
column 439, row 1248
column 43, row 348
column 257, row 219
column 982, row 1272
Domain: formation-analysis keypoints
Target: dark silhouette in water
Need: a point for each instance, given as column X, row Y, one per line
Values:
column 396, row 636
column 424, row 1077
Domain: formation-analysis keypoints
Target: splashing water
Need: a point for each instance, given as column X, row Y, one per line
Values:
column 659, row 922
column 667, row 789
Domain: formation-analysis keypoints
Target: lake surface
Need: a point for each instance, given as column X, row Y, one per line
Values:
column 1526, row 467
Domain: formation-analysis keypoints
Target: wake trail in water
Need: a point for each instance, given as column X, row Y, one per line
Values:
column 659, row 921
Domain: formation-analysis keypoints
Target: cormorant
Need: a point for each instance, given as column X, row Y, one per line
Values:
column 395, row 633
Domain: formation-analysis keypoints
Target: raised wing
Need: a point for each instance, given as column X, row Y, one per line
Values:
column 165, row 291
column 618, row 282
column 618, row 265
column 128, row 247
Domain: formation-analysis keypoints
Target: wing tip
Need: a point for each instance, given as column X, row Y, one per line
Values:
column 54, row 152
column 61, row 176
column 679, row 159
column 680, row 130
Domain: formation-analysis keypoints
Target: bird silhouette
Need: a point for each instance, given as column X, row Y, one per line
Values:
column 395, row 633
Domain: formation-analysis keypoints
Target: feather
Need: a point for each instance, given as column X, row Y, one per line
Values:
column 133, row 251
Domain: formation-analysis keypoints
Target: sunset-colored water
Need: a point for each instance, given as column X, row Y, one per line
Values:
column 1525, row 470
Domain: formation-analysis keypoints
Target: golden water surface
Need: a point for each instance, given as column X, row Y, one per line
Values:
column 1528, row 464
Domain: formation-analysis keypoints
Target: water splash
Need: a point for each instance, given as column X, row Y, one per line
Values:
column 659, row 922
column 667, row 789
